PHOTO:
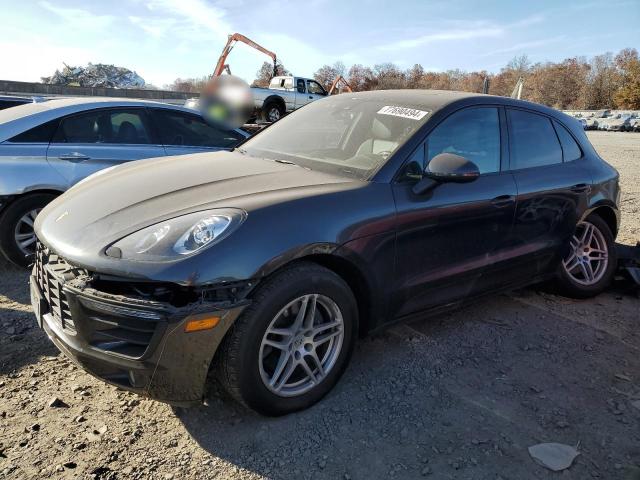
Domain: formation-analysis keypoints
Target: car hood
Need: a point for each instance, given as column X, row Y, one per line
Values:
column 110, row 205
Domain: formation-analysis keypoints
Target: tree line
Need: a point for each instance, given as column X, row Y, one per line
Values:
column 578, row 83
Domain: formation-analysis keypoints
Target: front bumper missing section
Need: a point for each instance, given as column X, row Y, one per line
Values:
column 135, row 344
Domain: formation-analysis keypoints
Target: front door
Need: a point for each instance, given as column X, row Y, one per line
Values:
column 90, row 141
column 453, row 241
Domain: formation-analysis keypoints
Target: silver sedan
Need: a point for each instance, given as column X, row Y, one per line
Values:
column 45, row 148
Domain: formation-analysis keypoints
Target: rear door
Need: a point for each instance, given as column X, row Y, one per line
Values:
column 182, row 132
column 90, row 141
column 553, row 189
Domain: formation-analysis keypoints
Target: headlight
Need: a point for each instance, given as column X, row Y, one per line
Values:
column 178, row 237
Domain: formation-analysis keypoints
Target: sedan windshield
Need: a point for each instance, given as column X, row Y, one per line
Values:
column 341, row 135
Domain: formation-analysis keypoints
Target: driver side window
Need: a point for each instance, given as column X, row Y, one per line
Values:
column 315, row 88
column 473, row 133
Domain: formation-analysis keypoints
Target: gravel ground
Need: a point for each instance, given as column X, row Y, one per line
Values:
column 460, row 396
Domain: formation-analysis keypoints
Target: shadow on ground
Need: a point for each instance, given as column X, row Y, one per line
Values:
column 459, row 396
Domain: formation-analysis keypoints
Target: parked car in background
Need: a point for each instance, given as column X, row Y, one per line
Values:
column 8, row 101
column 263, row 265
column 620, row 123
column 285, row 94
column 591, row 123
column 47, row 147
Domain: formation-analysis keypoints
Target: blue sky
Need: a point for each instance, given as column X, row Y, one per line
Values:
column 165, row 39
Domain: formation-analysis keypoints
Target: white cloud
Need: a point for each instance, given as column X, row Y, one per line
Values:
column 197, row 12
column 451, row 35
column 156, row 27
column 463, row 31
column 524, row 46
column 80, row 19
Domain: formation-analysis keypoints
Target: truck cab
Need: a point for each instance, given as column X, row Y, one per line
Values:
column 285, row 94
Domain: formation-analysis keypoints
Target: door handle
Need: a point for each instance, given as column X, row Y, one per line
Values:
column 74, row 157
column 503, row 201
column 310, row 97
column 581, row 187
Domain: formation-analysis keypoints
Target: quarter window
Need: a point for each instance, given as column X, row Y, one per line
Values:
column 105, row 126
column 533, row 140
column 570, row 149
column 183, row 129
column 473, row 133
column 40, row 134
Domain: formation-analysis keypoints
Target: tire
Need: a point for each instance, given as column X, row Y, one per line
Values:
column 272, row 112
column 241, row 364
column 576, row 284
column 11, row 219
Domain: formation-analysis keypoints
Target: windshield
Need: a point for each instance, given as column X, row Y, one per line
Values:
column 342, row 135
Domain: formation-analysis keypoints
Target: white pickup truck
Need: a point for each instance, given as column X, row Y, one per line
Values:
column 285, row 94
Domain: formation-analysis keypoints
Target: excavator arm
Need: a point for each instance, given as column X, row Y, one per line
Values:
column 221, row 66
column 340, row 80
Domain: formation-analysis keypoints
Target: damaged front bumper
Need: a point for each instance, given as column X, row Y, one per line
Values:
column 132, row 341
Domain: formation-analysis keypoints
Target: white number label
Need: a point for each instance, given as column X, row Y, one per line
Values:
column 403, row 112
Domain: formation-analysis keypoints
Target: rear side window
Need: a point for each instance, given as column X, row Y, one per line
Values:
column 10, row 103
column 183, row 129
column 112, row 126
column 533, row 140
column 473, row 133
column 570, row 149
column 40, row 134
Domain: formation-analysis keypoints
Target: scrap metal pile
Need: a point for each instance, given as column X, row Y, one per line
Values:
column 96, row 75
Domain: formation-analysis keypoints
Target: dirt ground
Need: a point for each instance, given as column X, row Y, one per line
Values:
column 461, row 396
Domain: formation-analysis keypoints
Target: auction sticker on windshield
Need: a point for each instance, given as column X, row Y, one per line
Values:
column 403, row 112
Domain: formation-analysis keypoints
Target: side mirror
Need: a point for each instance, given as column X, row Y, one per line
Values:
column 447, row 168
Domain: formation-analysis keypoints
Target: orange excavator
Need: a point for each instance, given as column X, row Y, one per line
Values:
column 221, row 66
column 340, row 80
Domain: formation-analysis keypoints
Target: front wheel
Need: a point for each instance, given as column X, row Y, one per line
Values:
column 17, row 237
column 590, row 265
column 291, row 345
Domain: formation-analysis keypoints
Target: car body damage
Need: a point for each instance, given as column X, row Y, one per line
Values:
column 303, row 245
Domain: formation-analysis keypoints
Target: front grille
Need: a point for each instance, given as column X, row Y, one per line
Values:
column 120, row 329
column 51, row 271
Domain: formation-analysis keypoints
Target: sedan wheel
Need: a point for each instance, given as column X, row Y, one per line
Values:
column 301, row 345
column 589, row 266
column 24, row 235
column 17, row 238
column 588, row 259
column 292, row 343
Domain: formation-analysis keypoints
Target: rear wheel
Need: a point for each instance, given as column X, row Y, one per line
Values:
column 17, row 237
column 590, row 264
column 291, row 345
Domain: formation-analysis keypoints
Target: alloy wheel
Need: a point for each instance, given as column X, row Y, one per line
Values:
column 587, row 261
column 274, row 114
column 24, row 234
column 301, row 345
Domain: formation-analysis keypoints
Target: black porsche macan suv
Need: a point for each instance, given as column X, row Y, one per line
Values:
column 266, row 263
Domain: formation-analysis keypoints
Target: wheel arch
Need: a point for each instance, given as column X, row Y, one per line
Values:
column 347, row 270
column 608, row 213
column 274, row 99
column 9, row 199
